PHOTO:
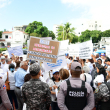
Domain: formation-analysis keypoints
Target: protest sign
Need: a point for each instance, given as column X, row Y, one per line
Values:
column 85, row 50
column 73, row 50
column 17, row 51
column 43, row 49
column 61, row 63
column 108, row 50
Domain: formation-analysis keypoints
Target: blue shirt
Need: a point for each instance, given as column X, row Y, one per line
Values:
column 19, row 77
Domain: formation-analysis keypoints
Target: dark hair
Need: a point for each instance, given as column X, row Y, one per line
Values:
column 91, row 60
column 18, row 64
column 100, row 60
column 27, row 77
column 70, row 58
column 102, row 71
column 64, row 73
column 33, row 73
column 11, row 66
column 84, row 60
column 54, row 78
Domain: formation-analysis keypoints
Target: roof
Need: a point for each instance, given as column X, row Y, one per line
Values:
column 2, row 39
column 7, row 32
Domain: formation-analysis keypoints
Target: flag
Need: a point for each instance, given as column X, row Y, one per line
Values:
column 4, row 86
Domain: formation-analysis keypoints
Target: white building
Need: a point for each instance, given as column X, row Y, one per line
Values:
column 14, row 38
column 55, row 30
column 90, row 25
column 20, row 28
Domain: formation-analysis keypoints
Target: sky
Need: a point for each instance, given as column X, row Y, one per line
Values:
column 49, row 12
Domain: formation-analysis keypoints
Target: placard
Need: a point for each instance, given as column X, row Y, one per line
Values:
column 43, row 49
column 85, row 50
column 17, row 51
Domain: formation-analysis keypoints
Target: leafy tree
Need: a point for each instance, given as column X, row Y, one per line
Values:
column 85, row 36
column 106, row 33
column 65, row 32
column 96, row 36
column 51, row 34
column 37, row 27
column 75, row 39
column 35, row 35
column 0, row 34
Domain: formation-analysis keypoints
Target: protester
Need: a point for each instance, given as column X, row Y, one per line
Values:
column 101, row 75
column 36, row 94
column 19, row 81
column 67, row 99
column 85, row 76
column 64, row 74
column 103, row 58
column 3, row 62
column 6, row 67
column 4, row 100
column 17, row 65
column 11, row 80
column 54, row 84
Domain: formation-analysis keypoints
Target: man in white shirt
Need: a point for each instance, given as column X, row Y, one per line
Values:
column 3, row 63
column 6, row 67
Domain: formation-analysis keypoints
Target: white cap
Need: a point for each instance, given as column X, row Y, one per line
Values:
column 2, row 57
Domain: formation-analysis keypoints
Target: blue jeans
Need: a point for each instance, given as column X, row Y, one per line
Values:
column 54, row 106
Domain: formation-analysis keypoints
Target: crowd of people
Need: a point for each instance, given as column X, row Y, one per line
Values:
column 84, row 84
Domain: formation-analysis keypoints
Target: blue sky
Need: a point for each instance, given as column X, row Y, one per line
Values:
column 50, row 12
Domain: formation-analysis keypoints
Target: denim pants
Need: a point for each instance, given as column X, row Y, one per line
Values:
column 54, row 106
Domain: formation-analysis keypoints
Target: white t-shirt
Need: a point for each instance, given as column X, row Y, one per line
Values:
column 51, row 84
column 2, row 65
column 90, row 65
column 6, row 68
column 10, row 78
column 88, row 77
column 98, row 79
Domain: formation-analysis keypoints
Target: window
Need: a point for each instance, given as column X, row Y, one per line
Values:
column 6, row 36
column 99, row 25
column 89, row 25
column 95, row 21
column 24, row 36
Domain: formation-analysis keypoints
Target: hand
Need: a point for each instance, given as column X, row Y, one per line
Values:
column 92, row 55
column 55, row 87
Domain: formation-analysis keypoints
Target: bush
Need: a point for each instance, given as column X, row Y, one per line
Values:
column 2, row 49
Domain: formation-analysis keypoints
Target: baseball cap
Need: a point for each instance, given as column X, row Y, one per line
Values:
column 75, row 65
column 102, row 54
column 55, row 72
column 2, row 57
column 34, row 69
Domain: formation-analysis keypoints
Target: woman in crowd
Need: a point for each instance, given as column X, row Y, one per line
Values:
column 54, row 84
column 101, row 75
column 17, row 65
column 11, row 80
column 64, row 74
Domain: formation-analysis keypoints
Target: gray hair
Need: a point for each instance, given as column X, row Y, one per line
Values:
column 22, row 63
column 7, row 60
column 86, row 69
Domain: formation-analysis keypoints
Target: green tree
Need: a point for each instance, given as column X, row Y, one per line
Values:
column 51, row 34
column 75, row 39
column 96, row 36
column 65, row 32
column 106, row 33
column 85, row 36
column 37, row 27
column 1, row 34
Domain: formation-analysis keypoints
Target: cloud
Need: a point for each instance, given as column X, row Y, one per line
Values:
column 93, row 9
column 4, row 3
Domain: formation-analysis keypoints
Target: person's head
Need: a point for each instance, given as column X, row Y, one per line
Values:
column 85, row 69
column 17, row 64
column 67, row 55
column 35, row 71
column 64, row 74
column 97, row 56
column 102, row 55
column 108, row 71
column 27, row 77
column 24, row 65
column 91, row 60
column 56, row 76
column 99, row 61
column 70, row 58
column 12, row 67
column 95, row 50
column 8, row 61
column 21, row 58
column 32, row 62
column 6, row 56
column 76, row 69
column 3, row 59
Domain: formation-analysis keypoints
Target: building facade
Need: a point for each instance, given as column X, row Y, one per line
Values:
column 20, row 28
column 14, row 38
column 55, row 30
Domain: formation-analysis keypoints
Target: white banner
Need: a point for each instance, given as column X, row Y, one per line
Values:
column 85, row 50
column 61, row 63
